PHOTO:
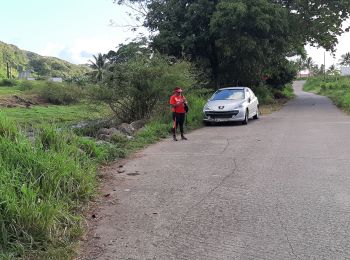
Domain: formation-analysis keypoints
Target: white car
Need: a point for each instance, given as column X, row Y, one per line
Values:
column 231, row 104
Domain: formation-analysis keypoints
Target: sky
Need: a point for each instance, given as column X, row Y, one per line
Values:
column 318, row 54
column 74, row 30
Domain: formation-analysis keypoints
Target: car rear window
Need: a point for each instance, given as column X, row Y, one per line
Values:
column 228, row 94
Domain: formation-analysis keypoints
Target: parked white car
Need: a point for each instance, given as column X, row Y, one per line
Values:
column 231, row 104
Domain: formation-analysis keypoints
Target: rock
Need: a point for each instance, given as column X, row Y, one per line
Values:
column 104, row 137
column 129, row 137
column 103, row 131
column 113, row 130
column 107, row 131
column 138, row 124
column 126, row 129
column 79, row 125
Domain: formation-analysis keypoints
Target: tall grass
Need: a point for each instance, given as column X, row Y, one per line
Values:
column 54, row 93
column 43, row 185
column 7, row 82
column 335, row 87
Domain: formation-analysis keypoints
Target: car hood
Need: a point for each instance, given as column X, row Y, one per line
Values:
column 225, row 105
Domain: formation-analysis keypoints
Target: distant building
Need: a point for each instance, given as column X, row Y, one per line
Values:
column 304, row 73
column 24, row 74
column 56, row 79
column 345, row 71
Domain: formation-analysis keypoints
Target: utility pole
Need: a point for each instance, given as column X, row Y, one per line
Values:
column 324, row 64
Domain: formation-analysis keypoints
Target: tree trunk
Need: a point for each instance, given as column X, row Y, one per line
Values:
column 8, row 70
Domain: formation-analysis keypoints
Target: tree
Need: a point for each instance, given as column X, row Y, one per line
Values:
column 242, row 40
column 126, row 52
column 333, row 70
column 40, row 66
column 98, row 65
column 134, row 88
column 345, row 59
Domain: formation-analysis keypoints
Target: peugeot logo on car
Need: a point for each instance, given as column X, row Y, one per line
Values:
column 221, row 107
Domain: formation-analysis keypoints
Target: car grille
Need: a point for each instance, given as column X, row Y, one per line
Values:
column 221, row 114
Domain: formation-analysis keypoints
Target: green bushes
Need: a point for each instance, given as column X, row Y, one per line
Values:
column 335, row 87
column 61, row 94
column 43, row 184
column 264, row 94
column 54, row 93
column 7, row 82
column 133, row 89
column 268, row 95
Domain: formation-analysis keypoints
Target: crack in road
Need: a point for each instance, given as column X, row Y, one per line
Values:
column 285, row 232
column 226, row 146
column 187, row 213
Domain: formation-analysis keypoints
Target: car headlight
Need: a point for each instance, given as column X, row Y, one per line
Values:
column 206, row 107
column 240, row 106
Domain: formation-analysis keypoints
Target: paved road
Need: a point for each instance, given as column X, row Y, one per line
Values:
column 278, row 188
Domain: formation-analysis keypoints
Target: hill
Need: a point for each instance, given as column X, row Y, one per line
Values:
column 21, row 60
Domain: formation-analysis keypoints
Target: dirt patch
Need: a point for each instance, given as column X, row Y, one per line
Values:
column 91, row 245
column 21, row 101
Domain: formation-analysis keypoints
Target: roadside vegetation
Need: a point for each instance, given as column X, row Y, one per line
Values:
column 337, row 88
column 47, row 176
column 54, row 136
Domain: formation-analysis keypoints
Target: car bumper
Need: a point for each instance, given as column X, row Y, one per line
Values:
column 224, row 116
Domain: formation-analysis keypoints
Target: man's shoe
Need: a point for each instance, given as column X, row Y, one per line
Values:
column 183, row 137
column 174, row 138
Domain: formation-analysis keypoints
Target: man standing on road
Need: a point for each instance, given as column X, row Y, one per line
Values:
column 177, row 102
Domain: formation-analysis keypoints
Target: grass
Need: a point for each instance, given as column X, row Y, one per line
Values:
column 7, row 91
column 335, row 87
column 55, row 113
column 50, row 113
column 43, row 185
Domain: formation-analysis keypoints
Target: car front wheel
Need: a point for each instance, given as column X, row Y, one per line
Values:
column 257, row 113
column 246, row 117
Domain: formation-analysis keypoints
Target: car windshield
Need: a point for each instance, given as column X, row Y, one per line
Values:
column 228, row 94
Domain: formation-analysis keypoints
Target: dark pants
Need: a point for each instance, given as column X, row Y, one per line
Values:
column 178, row 120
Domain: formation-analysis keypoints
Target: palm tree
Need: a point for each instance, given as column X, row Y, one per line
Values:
column 309, row 63
column 345, row 59
column 99, row 65
column 332, row 70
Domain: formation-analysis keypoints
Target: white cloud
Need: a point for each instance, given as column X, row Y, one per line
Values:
column 51, row 49
column 79, row 50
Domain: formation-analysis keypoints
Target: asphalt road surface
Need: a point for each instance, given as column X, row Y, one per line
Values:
column 278, row 188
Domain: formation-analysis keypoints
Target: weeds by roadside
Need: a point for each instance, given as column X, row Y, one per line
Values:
column 43, row 185
column 335, row 87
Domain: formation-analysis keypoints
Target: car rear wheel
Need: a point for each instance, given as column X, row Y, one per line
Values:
column 246, row 117
column 257, row 113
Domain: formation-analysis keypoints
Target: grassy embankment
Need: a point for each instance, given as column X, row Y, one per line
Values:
column 335, row 87
column 45, row 184
column 54, row 105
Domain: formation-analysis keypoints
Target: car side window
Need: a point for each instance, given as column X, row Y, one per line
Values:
column 247, row 94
